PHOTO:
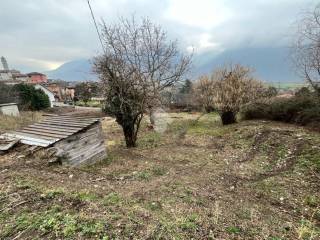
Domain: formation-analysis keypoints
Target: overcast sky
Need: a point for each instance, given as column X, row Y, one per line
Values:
column 39, row 35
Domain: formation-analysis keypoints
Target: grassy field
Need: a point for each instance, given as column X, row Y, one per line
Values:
column 197, row 180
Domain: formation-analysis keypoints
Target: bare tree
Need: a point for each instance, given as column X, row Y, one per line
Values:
column 307, row 48
column 204, row 91
column 233, row 87
column 138, row 63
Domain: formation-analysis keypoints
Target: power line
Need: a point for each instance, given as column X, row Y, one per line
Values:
column 95, row 24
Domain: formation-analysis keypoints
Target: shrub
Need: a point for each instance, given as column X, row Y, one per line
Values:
column 234, row 86
column 309, row 116
column 303, row 109
column 255, row 111
column 31, row 98
column 288, row 110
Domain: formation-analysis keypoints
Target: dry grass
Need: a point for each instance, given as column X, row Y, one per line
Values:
column 200, row 180
column 12, row 123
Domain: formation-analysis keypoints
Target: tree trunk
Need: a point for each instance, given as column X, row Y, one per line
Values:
column 130, row 135
column 151, row 116
column 228, row 117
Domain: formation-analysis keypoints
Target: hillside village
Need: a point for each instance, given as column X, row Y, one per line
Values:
column 55, row 91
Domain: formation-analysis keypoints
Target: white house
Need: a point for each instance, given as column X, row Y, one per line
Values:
column 47, row 92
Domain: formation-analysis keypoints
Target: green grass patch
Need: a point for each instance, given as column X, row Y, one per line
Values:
column 208, row 124
column 154, row 206
column 233, row 230
column 151, row 139
column 159, row 171
column 310, row 158
column 85, row 196
column 308, row 230
column 144, row 175
column 111, row 199
column 312, row 201
column 189, row 223
column 57, row 223
column 22, row 183
column 52, row 193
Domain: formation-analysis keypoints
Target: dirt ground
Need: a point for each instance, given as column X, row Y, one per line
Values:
column 190, row 179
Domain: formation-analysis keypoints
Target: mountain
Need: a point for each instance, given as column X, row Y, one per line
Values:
column 77, row 70
column 270, row 64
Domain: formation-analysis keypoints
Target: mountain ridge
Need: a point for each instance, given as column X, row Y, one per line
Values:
column 270, row 64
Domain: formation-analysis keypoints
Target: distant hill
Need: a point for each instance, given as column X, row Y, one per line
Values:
column 77, row 70
column 271, row 65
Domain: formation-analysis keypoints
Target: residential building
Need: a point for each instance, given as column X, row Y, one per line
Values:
column 36, row 77
column 5, row 75
column 69, row 93
column 21, row 77
column 62, row 91
column 56, row 89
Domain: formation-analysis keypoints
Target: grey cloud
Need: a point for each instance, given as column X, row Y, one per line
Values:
column 34, row 33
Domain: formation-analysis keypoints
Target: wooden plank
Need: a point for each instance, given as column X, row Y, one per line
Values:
column 100, row 155
column 95, row 150
column 79, row 149
column 82, row 139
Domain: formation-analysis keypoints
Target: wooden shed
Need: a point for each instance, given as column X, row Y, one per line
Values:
column 75, row 140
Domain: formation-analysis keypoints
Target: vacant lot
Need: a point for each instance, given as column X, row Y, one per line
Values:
column 198, row 179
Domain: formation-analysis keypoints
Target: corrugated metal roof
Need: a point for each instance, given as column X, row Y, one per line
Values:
column 52, row 129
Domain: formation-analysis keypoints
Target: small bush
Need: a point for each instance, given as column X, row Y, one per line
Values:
column 31, row 98
column 300, row 109
column 309, row 115
column 255, row 111
column 289, row 110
